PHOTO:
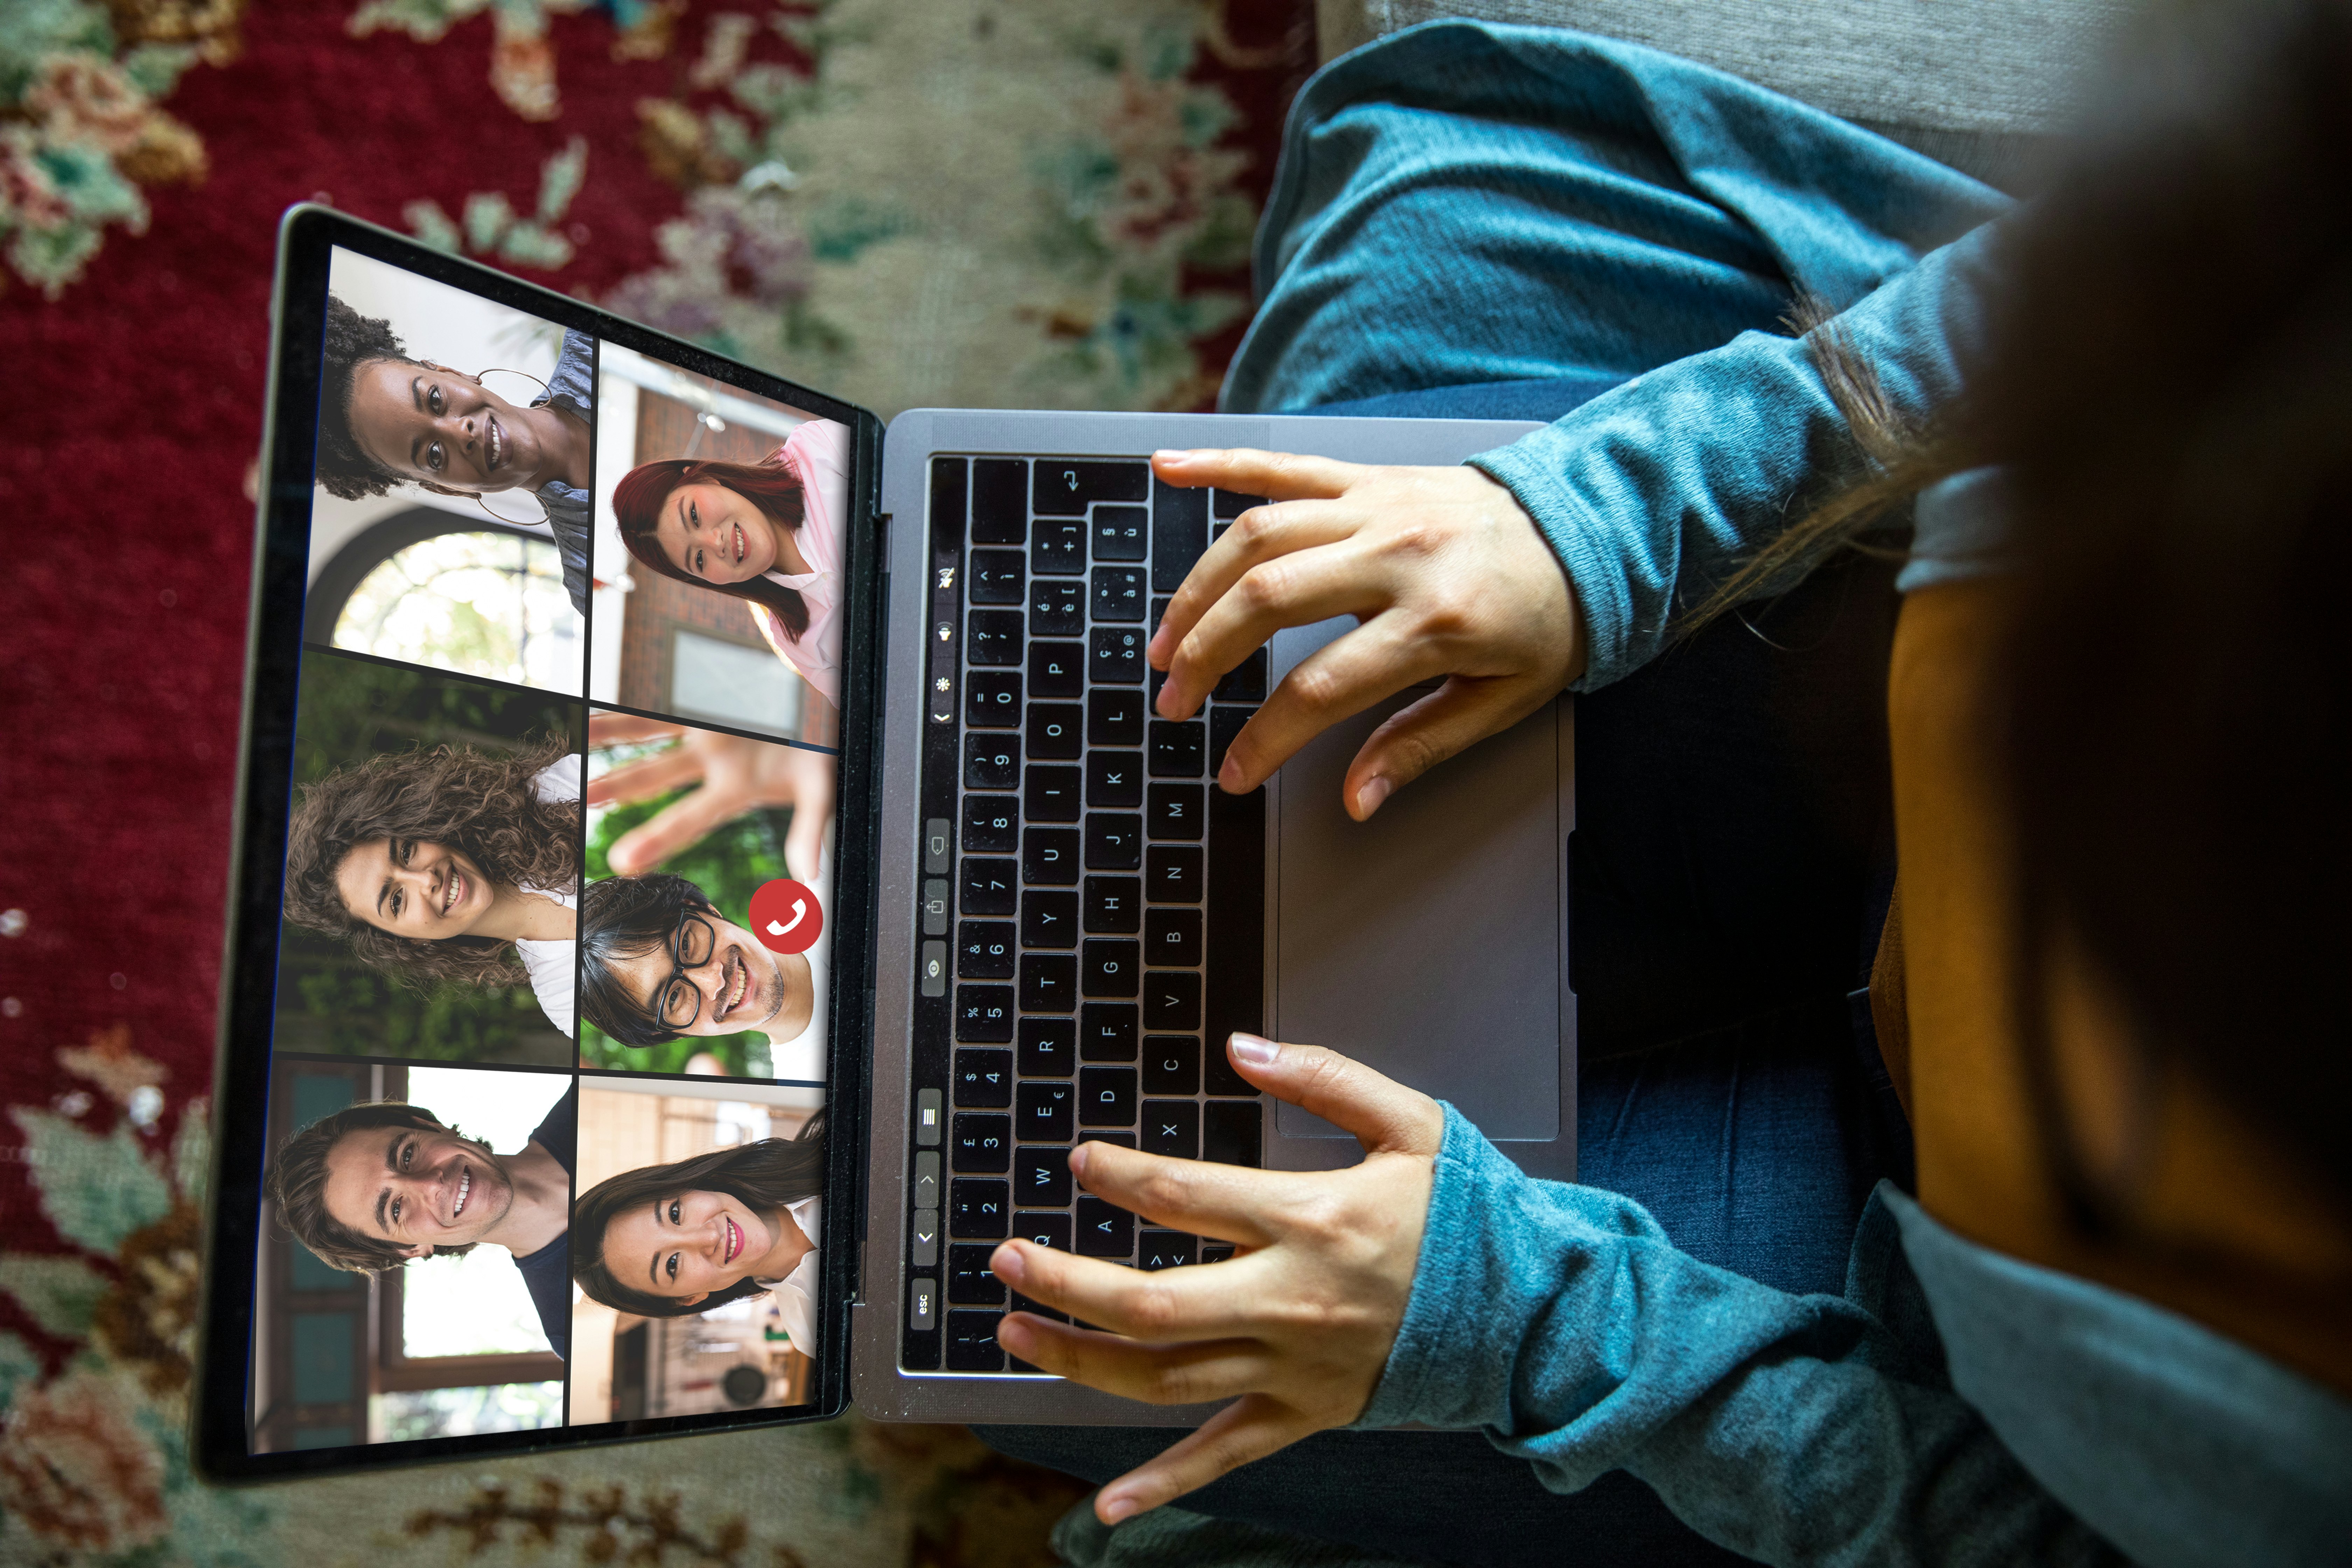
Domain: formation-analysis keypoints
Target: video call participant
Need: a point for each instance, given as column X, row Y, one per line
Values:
column 769, row 533
column 658, row 960
column 451, row 864
column 671, row 1241
column 376, row 1185
column 730, row 775
column 385, row 419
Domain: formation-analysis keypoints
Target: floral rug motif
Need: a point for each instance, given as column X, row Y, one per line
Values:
column 975, row 203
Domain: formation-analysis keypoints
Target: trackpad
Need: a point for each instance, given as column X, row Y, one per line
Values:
column 1428, row 942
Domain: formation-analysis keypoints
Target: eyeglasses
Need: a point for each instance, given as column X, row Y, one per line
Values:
column 680, row 1001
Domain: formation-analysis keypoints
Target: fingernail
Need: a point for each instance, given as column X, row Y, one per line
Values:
column 1368, row 799
column 1115, row 1508
column 1017, row 1337
column 1173, row 454
column 1077, row 1161
column 1255, row 1049
column 1229, row 777
column 1006, row 1264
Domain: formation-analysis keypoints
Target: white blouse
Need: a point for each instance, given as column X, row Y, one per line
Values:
column 795, row 1293
column 818, row 454
column 553, row 965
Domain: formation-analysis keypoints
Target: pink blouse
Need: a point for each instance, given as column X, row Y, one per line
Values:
column 818, row 455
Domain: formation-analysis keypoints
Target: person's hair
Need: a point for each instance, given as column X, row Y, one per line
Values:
column 2167, row 382
column 297, row 1182
column 481, row 803
column 637, row 502
column 344, row 470
column 765, row 1175
column 623, row 919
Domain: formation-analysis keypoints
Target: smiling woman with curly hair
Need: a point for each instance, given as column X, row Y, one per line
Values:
column 446, row 863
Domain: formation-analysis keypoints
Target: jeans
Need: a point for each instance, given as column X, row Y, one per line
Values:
column 1728, row 877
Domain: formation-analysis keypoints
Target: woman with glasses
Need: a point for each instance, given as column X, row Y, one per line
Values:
column 445, row 864
column 659, row 961
column 671, row 1241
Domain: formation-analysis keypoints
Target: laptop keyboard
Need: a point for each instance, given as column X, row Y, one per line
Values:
column 1091, row 914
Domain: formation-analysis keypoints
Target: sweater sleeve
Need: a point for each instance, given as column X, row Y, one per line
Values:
column 1812, row 1429
column 1652, row 492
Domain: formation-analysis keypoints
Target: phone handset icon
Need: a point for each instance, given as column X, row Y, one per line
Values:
column 786, row 916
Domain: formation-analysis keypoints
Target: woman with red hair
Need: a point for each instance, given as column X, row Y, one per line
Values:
column 769, row 533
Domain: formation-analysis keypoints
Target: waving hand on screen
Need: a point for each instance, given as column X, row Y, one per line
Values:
column 736, row 775
column 1442, row 566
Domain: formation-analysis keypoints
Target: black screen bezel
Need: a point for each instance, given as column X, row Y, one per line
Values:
column 219, row 1434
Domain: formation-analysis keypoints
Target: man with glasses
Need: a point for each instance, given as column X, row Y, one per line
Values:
column 658, row 960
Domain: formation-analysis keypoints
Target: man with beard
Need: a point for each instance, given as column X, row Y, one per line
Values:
column 376, row 1185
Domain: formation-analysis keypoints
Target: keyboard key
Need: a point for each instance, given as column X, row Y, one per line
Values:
column 1057, row 546
column 981, row 1141
column 1160, row 605
column 1049, row 981
column 1118, row 594
column 971, row 1341
column 1106, row 1032
column 1049, row 856
column 1041, row 1177
column 1172, row 874
column 999, row 501
column 990, row 886
column 1172, row 999
column 977, row 1209
column 1110, row 968
column 983, row 1080
column 1230, row 1131
column 1057, row 668
column 1114, row 778
column 1104, row 1135
column 1042, row 1112
column 1225, row 722
column 1173, row 937
column 1053, row 734
column 935, row 906
column 1103, row 1229
column 1172, row 1064
column 1049, row 793
column 992, row 824
column 1115, row 654
column 1179, row 532
column 984, row 950
column 1106, row 1097
column 1114, row 843
column 1119, row 533
column 984, row 1014
column 1217, row 1251
column 1174, row 810
column 1231, row 504
column 1245, row 682
column 1114, row 906
column 1049, row 1047
column 923, row 1238
column 1114, row 717
column 927, row 1175
column 1066, row 487
column 993, row 637
column 992, row 698
column 997, row 577
column 1014, row 1301
column 1177, row 749
column 1158, row 1249
column 991, row 760
column 1049, row 917
column 933, row 969
column 1057, row 607
column 1172, row 1127
column 1048, row 1230
column 970, row 1284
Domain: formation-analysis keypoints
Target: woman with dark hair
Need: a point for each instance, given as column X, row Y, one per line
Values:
column 447, row 864
column 385, row 418
column 769, row 533
column 671, row 1241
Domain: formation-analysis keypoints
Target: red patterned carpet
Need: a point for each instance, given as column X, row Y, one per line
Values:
column 146, row 149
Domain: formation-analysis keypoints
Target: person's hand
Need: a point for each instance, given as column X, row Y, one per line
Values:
column 1298, row 1324
column 1444, row 568
column 736, row 775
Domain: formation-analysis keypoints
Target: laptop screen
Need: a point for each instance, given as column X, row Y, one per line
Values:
column 545, row 1126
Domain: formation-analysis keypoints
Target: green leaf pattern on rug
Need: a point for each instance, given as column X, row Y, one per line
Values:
column 60, row 1294
column 492, row 227
column 96, row 1191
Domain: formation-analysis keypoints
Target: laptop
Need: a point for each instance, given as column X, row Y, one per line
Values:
column 704, row 858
